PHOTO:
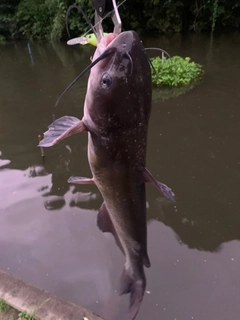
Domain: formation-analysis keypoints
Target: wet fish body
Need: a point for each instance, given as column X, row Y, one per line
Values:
column 117, row 155
column 116, row 113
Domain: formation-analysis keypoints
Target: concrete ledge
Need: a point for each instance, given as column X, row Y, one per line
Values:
column 45, row 306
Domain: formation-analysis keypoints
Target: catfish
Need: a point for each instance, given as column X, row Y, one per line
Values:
column 116, row 113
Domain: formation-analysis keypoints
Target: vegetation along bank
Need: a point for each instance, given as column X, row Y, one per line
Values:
column 45, row 19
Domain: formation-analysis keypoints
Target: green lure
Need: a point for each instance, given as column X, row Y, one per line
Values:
column 89, row 39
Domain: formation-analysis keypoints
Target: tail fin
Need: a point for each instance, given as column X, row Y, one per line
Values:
column 136, row 287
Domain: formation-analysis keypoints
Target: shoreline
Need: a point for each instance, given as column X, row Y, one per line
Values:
column 37, row 303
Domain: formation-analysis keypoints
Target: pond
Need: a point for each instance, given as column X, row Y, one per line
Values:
column 48, row 232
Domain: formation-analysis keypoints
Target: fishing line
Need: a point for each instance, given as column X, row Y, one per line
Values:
column 131, row 62
column 159, row 49
column 93, row 28
column 107, row 15
column 74, row 6
column 150, row 62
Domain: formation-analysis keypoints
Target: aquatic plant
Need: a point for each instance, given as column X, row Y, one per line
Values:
column 175, row 72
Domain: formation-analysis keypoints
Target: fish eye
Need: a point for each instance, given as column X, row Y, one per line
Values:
column 106, row 81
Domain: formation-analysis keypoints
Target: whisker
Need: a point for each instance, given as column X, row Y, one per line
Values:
column 130, row 58
column 102, row 56
column 74, row 6
column 150, row 62
column 159, row 49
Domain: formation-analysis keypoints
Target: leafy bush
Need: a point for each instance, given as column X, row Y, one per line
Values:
column 174, row 72
column 32, row 20
column 39, row 20
column 45, row 19
column 57, row 12
column 2, row 40
column 7, row 11
column 77, row 24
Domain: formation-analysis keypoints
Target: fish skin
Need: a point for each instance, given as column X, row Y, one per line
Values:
column 116, row 113
column 117, row 153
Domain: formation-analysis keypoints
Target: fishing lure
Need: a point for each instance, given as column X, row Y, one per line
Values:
column 88, row 39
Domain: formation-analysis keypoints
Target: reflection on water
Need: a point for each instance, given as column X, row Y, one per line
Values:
column 4, row 162
column 165, row 93
column 48, row 232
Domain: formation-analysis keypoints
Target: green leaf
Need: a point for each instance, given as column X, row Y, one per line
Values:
column 176, row 71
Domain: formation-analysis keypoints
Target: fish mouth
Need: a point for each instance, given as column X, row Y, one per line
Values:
column 106, row 40
column 122, row 42
column 108, row 47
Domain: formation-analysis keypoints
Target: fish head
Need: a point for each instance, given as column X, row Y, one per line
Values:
column 119, row 86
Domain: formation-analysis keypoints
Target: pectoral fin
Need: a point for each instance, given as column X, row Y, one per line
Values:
column 163, row 188
column 81, row 180
column 61, row 129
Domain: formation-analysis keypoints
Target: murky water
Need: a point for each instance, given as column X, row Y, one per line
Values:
column 48, row 232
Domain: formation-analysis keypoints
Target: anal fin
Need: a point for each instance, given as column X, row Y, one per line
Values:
column 105, row 224
column 163, row 188
column 60, row 129
column 104, row 221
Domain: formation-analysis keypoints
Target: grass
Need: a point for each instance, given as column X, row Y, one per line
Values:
column 3, row 305
column 24, row 315
column 14, row 314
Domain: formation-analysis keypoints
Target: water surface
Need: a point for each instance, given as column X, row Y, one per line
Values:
column 48, row 232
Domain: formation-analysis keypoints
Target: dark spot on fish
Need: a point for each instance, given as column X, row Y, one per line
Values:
column 106, row 81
